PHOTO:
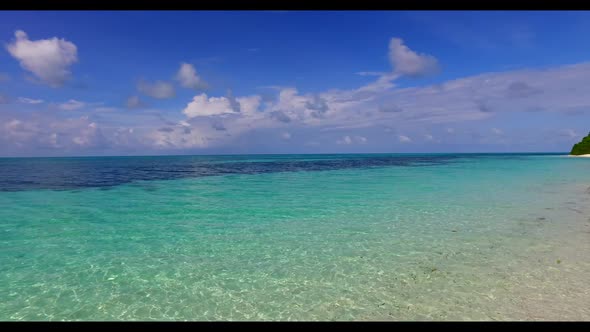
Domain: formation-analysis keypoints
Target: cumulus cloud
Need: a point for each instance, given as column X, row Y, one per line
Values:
column 86, row 135
column 48, row 59
column 309, row 109
column 451, row 111
column 204, row 106
column 71, row 105
column 290, row 102
column 188, row 78
column 217, row 124
column 43, row 133
column 455, row 102
column 409, row 63
column 249, row 105
column 30, row 101
column 178, row 138
column 158, row 89
column 18, row 131
column 280, row 116
column 318, row 106
column 201, row 105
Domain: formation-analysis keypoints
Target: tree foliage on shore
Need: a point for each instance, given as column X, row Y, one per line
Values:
column 583, row 147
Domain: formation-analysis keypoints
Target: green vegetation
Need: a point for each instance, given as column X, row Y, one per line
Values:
column 583, row 147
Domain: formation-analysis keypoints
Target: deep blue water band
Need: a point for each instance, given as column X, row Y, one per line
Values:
column 18, row 174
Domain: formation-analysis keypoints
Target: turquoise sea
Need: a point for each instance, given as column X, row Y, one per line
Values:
column 296, row 237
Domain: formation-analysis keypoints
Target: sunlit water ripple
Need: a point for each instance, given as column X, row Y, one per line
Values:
column 300, row 237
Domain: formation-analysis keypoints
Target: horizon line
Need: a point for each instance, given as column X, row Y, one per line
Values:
column 279, row 154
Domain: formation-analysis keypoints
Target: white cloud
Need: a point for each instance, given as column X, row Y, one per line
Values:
column 407, row 62
column 404, row 61
column 467, row 100
column 290, row 100
column 347, row 140
column 71, row 105
column 249, row 105
column 19, row 132
column 30, row 101
column 43, row 133
column 188, row 78
column 463, row 105
column 201, row 105
column 179, row 137
column 86, row 135
column 383, row 83
column 158, row 89
column 404, row 139
column 48, row 59
column 309, row 109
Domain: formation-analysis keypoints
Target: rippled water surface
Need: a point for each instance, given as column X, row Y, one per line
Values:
column 295, row 237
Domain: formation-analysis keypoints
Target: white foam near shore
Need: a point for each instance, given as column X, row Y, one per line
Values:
column 581, row 155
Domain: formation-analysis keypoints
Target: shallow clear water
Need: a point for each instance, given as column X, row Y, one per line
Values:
column 324, row 237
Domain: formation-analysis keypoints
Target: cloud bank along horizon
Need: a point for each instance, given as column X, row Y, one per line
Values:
column 518, row 110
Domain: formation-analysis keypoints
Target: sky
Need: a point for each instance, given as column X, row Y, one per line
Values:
column 77, row 83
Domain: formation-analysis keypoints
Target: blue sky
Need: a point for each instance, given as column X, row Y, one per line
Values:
column 104, row 83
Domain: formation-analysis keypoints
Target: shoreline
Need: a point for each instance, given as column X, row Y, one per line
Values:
column 580, row 155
